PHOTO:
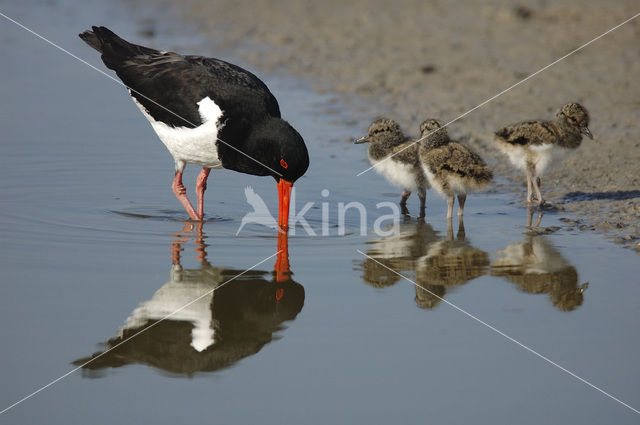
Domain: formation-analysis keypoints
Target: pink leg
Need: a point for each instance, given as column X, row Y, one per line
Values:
column 201, row 186
column 529, row 187
column 450, row 201
column 181, row 193
column 536, row 187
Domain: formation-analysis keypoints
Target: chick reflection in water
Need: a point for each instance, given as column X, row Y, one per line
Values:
column 538, row 268
column 436, row 263
column 397, row 252
column 236, row 318
column 447, row 263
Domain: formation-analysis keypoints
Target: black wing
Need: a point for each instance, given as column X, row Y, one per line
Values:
column 169, row 85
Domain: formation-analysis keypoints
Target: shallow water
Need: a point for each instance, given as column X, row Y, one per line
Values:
column 94, row 249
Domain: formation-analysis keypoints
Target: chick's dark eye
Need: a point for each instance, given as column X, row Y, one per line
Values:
column 284, row 164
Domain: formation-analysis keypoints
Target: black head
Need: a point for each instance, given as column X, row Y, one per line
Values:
column 280, row 148
column 434, row 132
column 384, row 131
column 575, row 115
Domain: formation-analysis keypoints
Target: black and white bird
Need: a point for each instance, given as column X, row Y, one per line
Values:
column 395, row 156
column 207, row 112
column 536, row 146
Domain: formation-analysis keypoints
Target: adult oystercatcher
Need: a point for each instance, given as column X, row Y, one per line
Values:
column 207, row 112
column 451, row 168
column 397, row 157
column 536, row 146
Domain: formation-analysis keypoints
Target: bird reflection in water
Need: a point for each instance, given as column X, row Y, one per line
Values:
column 238, row 315
column 433, row 262
column 538, row 268
column 448, row 262
column 397, row 252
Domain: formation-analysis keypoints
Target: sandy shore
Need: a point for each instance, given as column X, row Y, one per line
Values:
column 412, row 59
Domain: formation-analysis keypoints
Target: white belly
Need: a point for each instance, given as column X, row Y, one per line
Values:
column 549, row 156
column 456, row 185
column 191, row 145
column 544, row 157
column 399, row 174
column 517, row 155
column 435, row 183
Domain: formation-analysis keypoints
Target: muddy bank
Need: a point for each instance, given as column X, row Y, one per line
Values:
column 412, row 59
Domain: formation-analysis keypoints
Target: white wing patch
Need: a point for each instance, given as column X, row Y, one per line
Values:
column 191, row 145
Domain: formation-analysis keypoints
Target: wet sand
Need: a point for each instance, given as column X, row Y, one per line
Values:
column 414, row 59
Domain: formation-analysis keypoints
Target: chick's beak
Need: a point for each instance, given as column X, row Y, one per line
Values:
column 361, row 140
column 586, row 132
column 284, row 197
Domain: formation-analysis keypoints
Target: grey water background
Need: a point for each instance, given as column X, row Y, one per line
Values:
column 88, row 221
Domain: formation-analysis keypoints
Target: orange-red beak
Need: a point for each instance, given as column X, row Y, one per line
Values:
column 281, row 268
column 284, row 197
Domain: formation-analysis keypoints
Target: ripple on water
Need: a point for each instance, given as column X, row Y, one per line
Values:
column 163, row 214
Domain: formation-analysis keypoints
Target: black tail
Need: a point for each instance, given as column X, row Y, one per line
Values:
column 113, row 48
column 91, row 39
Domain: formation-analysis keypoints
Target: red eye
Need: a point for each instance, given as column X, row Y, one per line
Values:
column 284, row 163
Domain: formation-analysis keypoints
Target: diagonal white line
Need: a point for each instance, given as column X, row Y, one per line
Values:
column 129, row 88
column 135, row 335
column 499, row 332
column 506, row 90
